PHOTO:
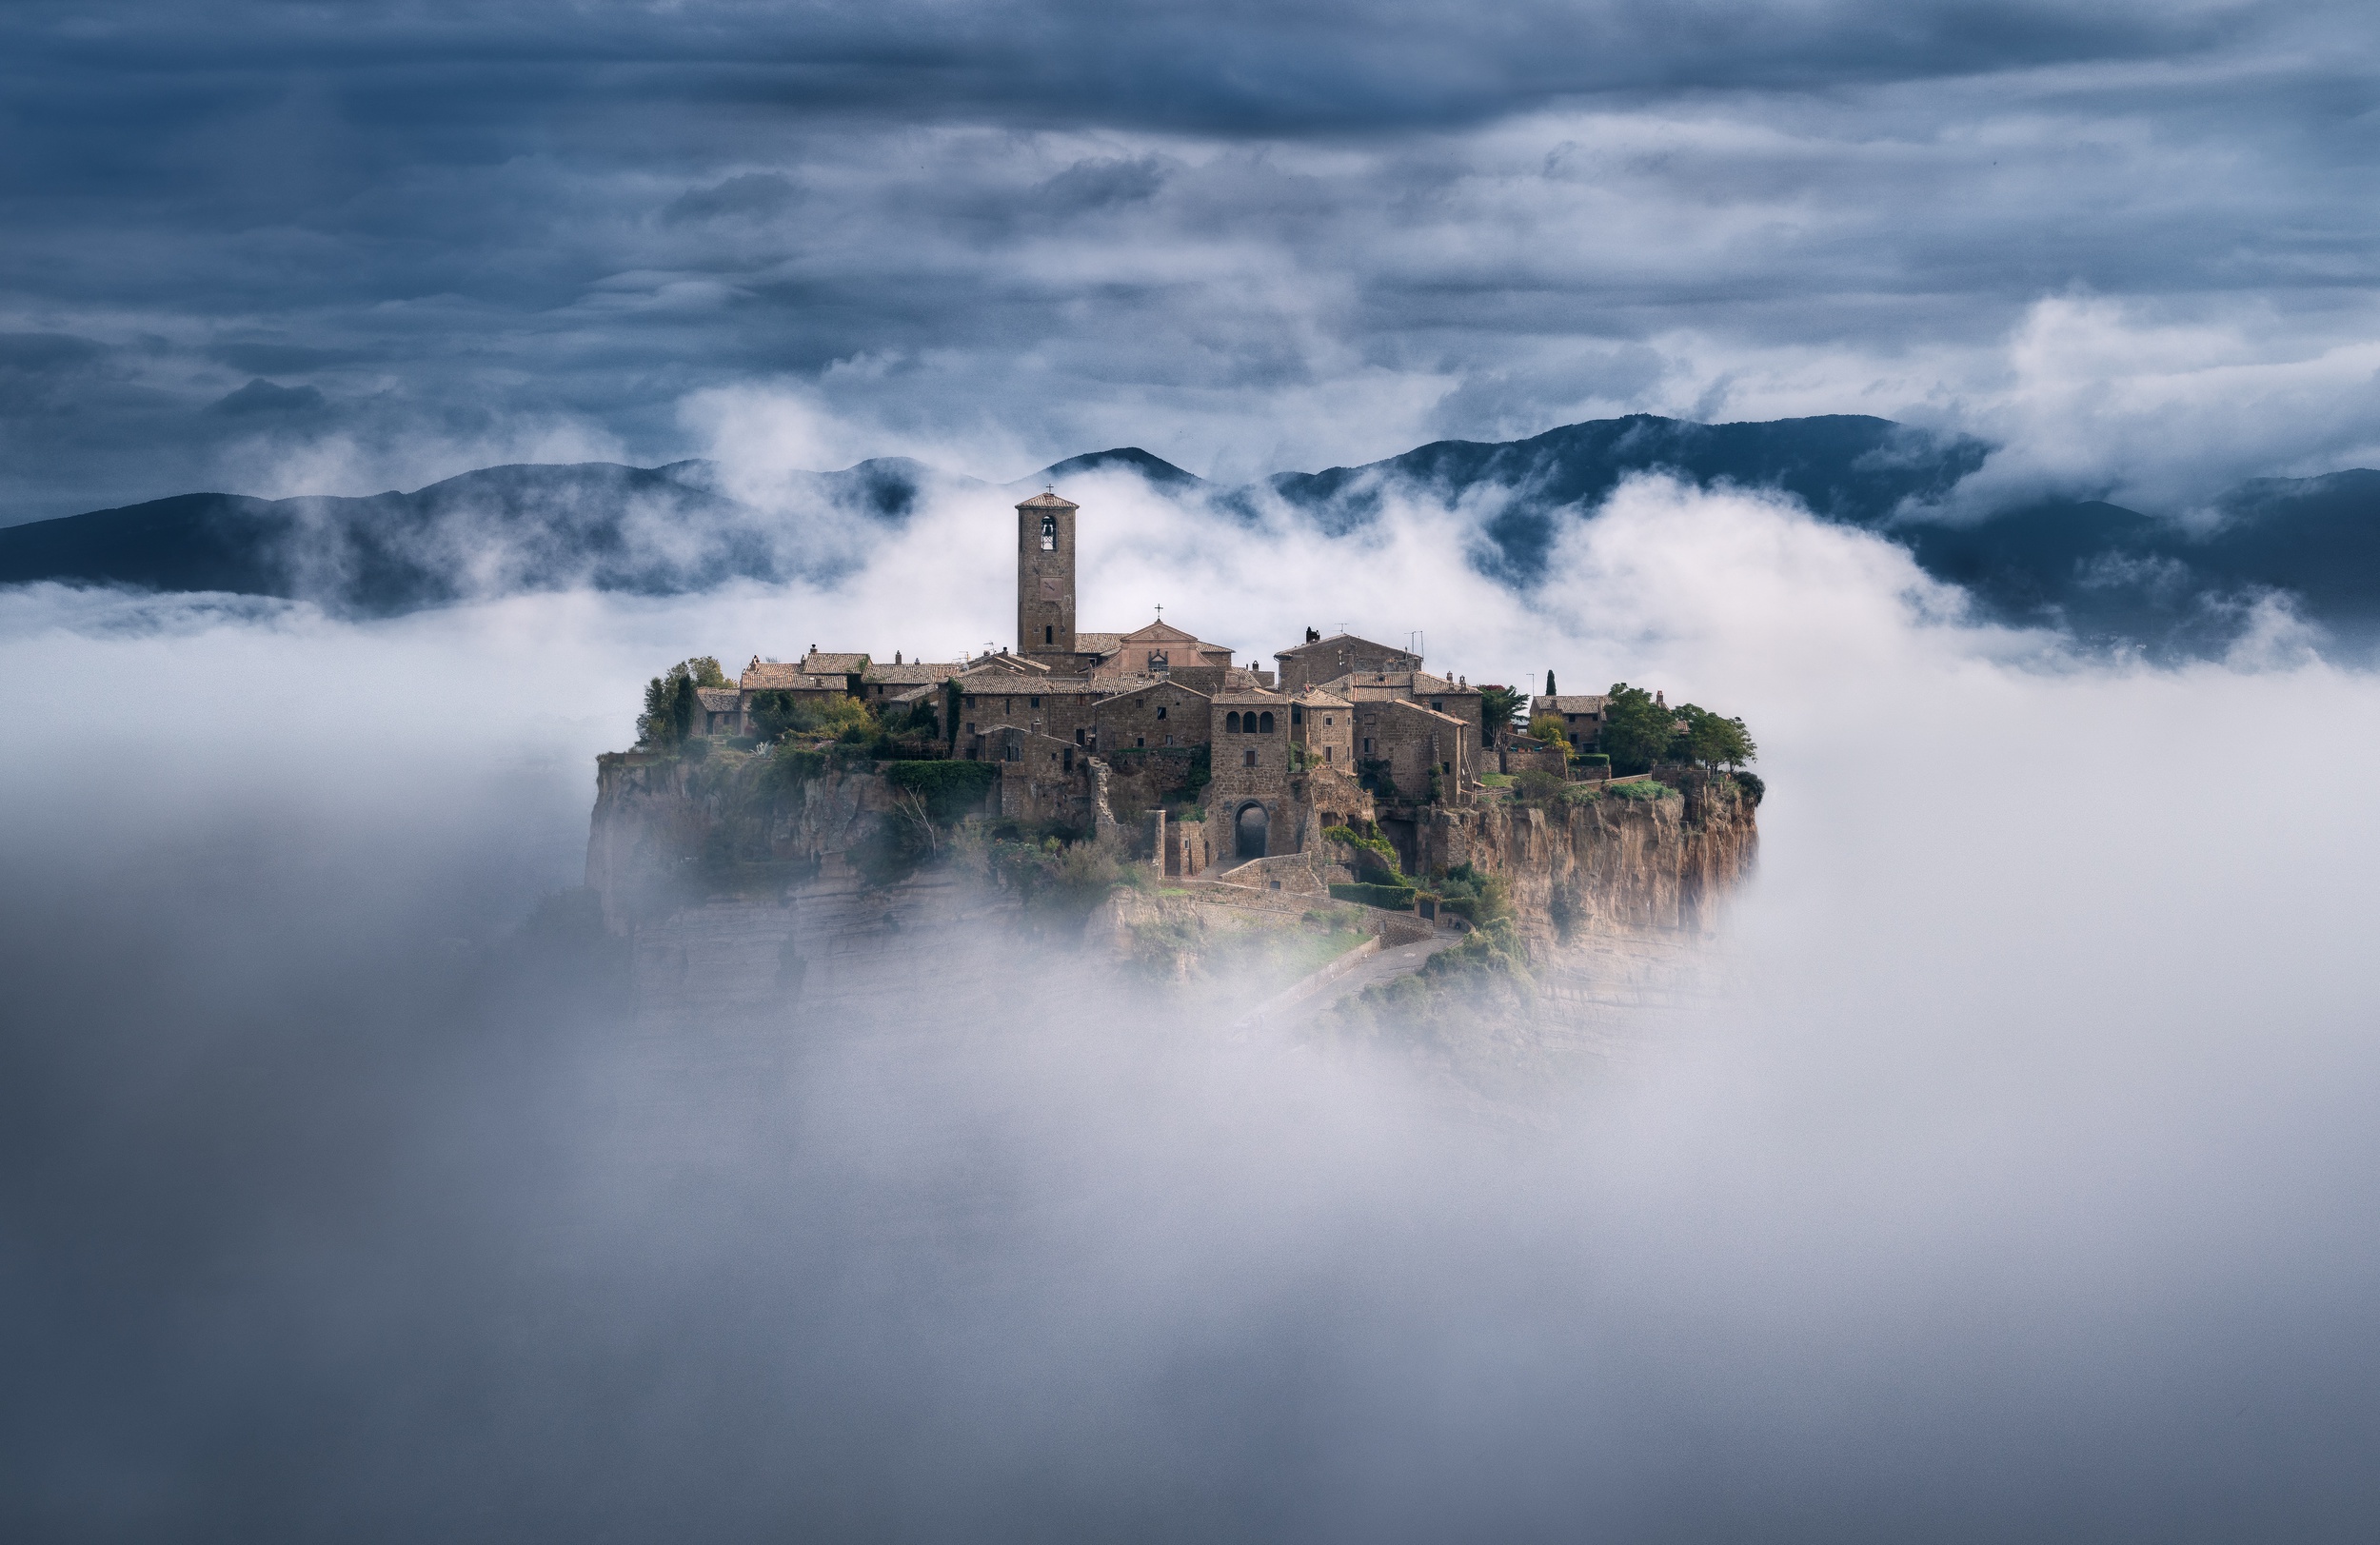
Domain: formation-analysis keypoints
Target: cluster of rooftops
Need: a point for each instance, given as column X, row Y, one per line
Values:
column 1339, row 672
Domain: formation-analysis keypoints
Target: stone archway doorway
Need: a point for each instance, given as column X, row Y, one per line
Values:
column 1253, row 826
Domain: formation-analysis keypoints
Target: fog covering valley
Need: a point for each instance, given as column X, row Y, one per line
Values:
column 2014, row 1183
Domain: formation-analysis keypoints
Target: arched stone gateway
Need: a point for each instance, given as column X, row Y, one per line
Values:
column 1254, row 824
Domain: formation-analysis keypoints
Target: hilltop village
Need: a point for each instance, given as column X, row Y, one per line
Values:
column 778, row 842
column 1337, row 732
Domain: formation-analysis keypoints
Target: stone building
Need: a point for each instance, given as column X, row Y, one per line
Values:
column 1061, row 707
column 1320, row 660
column 1322, row 726
column 1581, row 716
column 881, row 684
column 773, row 675
column 1427, row 756
column 1157, row 649
column 1343, row 731
column 1153, row 713
column 1437, row 693
column 721, row 711
column 1249, row 810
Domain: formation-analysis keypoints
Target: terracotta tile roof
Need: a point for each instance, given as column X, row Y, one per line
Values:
column 1570, row 703
column 916, row 673
column 719, row 700
column 1098, row 644
column 1339, row 641
column 772, row 676
column 1001, row 684
column 1253, row 694
column 1314, row 697
column 1406, row 706
column 1127, row 686
column 1047, row 501
column 821, row 662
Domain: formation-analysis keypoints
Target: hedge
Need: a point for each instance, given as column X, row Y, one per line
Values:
column 951, row 789
column 1394, row 898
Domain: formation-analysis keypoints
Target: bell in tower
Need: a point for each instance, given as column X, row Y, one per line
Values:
column 1046, row 576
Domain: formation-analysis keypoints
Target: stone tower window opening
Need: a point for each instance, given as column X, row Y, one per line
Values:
column 1231, row 723
column 1049, row 531
column 1265, row 724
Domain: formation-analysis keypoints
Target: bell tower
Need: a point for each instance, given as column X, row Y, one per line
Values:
column 1045, row 575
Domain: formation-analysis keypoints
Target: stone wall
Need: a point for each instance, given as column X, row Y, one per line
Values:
column 1062, row 710
column 1327, row 731
column 1167, row 714
column 1416, row 743
column 1251, row 769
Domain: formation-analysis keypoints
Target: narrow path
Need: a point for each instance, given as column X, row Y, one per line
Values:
column 1386, row 966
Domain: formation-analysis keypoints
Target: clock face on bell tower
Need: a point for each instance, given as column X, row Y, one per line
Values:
column 1045, row 575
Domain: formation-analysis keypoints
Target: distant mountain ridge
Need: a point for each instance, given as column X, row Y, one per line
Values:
column 2096, row 567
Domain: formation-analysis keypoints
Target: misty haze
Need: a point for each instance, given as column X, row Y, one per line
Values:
column 1308, row 774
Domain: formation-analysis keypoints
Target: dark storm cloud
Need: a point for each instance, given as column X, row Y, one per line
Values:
column 1249, row 236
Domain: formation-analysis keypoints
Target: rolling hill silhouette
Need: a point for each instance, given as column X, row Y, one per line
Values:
column 2096, row 567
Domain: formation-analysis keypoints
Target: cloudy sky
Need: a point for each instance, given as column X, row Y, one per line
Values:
column 277, row 249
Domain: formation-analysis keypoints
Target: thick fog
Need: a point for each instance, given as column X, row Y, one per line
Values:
column 2014, row 1184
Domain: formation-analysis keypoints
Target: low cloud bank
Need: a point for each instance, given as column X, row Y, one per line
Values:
column 2013, row 1188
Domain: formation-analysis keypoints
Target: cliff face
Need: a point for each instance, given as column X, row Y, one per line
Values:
column 1609, row 864
column 747, row 896
column 667, row 831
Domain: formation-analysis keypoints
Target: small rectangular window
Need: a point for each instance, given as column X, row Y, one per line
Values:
column 1033, row 702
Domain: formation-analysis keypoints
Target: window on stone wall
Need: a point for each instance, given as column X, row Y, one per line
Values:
column 1297, row 715
column 1160, row 713
column 1267, row 726
column 1033, row 702
column 1231, row 723
column 1138, row 743
column 1326, row 752
column 1248, row 757
column 1367, row 745
column 1049, row 532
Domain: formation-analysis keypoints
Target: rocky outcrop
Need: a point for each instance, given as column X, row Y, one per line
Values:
column 670, row 831
column 1606, row 864
column 749, row 891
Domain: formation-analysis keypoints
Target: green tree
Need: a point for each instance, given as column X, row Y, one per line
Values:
column 706, row 671
column 1637, row 730
column 1549, row 682
column 1710, row 740
column 670, row 706
column 776, row 711
column 1500, row 708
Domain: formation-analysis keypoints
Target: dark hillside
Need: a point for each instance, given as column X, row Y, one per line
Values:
column 1844, row 468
